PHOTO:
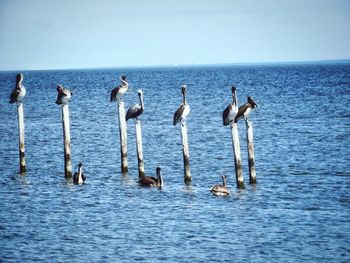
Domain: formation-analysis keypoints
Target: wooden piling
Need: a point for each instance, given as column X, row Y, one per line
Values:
column 123, row 137
column 141, row 166
column 66, row 141
column 237, row 155
column 22, row 161
column 250, row 144
column 186, row 153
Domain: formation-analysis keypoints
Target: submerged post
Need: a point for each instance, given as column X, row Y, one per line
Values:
column 22, row 161
column 66, row 141
column 186, row 153
column 250, row 144
column 123, row 137
column 141, row 166
column 237, row 155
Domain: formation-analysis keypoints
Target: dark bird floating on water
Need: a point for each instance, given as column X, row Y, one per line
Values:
column 19, row 91
column 231, row 110
column 63, row 96
column 245, row 109
column 220, row 190
column 151, row 181
column 136, row 110
column 120, row 90
column 78, row 177
column 183, row 110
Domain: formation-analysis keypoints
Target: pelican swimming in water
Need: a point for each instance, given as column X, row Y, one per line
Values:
column 151, row 181
column 19, row 91
column 183, row 110
column 231, row 110
column 220, row 189
column 78, row 177
column 135, row 111
column 120, row 90
column 63, row 96
column 245, row 109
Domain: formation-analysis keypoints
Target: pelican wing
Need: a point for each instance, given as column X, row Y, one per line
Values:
column 14, row 95
column 225, row 115
column 147, row 181
column 242, row 109
column 114, row 93
column 178, row 114
column 133, row 112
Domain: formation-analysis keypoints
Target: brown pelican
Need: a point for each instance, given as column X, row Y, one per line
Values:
column 137, row 109
column 220, row 189
column 78, row 177
column 19, row 91
column 63, row 96
column 151, row 181
column 184, row 108
column 245, row 109
column 120, row 90
column 231, row 110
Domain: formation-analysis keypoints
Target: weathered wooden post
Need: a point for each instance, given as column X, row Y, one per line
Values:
column 133, row 113
column 237, row 155
column 17, row 96
column 180, row 116
column 66, row 141
column 250, row 144
column 141, row 166
column 186, row 153
column 63, row 98
column 123, row 137
column 22, row 161
column 116, row 95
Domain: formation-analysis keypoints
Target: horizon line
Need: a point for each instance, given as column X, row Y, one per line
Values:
column 325, row 61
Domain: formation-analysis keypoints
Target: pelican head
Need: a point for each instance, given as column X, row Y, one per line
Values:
column 59, row 88
column 123, row 77
column 159, row 177
column 140, row 92
column 183, row 89
column 80, row 164
column 19, row 78
column 224, row 179
column 252, row 102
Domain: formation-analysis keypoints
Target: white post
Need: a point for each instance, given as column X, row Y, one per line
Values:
column 186, row 153
column 141, row 166
column 22, row 161
column 66, row 141
column 237, row 155
column 123, row 137
column 250, row 144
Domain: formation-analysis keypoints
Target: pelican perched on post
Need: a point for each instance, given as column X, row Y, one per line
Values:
column 220, row 189
column 63, row 96
column 137, row 109
column 151, row 181
column 184, row 108
column 231, row 110
column 245, row 109
column 120, row 90
column 78, row 177
column 19, row 91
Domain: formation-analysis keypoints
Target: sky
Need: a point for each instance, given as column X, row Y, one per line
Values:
column 65, row 34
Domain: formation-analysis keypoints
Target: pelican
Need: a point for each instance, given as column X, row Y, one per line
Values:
column 220, row 189
column 120, row 90
column 63, row 96
column 245, row 109
column 184, row 108
column 19, row 91
column 231, row 110
column 151, row 181
column 136, row 110
column 78, row 177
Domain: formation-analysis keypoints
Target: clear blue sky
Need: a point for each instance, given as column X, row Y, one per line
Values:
column 43, row 34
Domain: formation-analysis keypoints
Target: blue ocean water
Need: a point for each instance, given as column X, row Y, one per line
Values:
column 298, row 212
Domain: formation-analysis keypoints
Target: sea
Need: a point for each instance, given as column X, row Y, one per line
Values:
column 298, row 211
